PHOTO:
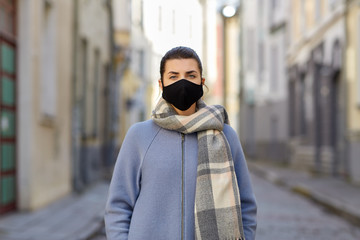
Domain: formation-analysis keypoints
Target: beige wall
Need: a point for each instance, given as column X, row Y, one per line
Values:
column 232, row 69
column 44, row 172
column 352, row 77
column 352, row 71
column 45, row 65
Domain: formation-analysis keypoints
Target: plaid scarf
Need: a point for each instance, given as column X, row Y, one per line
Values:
column 217, row 199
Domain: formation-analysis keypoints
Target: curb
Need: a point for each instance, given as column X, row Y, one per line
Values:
column 334, row 206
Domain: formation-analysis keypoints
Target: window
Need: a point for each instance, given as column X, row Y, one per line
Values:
column 274, row 68
column 96, row 91
column 250, row 48
column 292, row 107
column 2, row 19
column 142, row 14
column 318, row 10
column 260, row 7
column 48, row 80
column 160, row 19
column 173, row 21
column 303, row 15
column 274, row 4
column 332, row 4
column 84, row 68
column 273, row 11
column 302, row 109
column 261, row 61
column 142, row 64
column 274, row 129
column 190, row 26
column 7, row 12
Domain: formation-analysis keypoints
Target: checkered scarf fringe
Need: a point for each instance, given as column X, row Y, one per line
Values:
column 217, row 198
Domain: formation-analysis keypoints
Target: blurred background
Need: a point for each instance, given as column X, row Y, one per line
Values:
column 76, row 74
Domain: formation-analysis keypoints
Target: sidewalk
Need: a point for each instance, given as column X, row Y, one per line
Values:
column 74, row 217
column 334, row 194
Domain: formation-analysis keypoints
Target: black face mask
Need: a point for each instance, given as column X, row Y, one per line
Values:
column 182, row 94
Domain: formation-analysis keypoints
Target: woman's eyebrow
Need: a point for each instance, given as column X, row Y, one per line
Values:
column 192, row 71
column 172, row 72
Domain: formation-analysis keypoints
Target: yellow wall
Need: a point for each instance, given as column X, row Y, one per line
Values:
column 51, row 178
column 352, row 71
column 43, row 151
column 232, row 70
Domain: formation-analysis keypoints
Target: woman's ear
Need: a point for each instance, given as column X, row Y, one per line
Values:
column 160, row 84
column 203, row 81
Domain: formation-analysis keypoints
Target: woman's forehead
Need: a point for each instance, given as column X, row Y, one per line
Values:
column 183, row 64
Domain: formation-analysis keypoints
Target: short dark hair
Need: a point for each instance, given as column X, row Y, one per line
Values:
column 179, row 53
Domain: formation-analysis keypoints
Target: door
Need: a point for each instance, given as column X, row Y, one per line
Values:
column 7, row 106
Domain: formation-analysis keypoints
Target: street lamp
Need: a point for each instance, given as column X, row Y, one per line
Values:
column 229, row 11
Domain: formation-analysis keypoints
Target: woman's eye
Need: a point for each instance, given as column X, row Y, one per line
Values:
column 192, row 76
column 172, row 77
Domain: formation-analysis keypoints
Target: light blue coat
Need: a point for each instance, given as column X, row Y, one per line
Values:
column 145, row 195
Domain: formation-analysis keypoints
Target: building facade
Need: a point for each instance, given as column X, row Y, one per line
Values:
column 300, row 84
column 92, row 90
column 54, row 63
column 264, row 95
column 317, row 96
column 43, row 126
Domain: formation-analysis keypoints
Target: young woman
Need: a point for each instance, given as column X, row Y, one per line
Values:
column 182, row 174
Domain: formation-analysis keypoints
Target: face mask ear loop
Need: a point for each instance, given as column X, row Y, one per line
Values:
column 161, row 90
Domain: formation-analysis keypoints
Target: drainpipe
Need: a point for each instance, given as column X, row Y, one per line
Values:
column 75, row 133
column 110, row 142
column 205, row 30
column 345, row 87
column 241, row 72
column 225, row 55
column 111, row 33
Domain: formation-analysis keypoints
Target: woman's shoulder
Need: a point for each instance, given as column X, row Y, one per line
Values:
column 142, row 131
column 147, row 124
column 230, row 132
column 139, row 137
column 143, row 128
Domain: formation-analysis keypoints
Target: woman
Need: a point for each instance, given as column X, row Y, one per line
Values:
column 182, row 174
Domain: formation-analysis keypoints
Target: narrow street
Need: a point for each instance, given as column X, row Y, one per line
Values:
column 284, row 215
column 76, row 75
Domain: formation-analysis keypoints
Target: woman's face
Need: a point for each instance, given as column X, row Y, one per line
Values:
column 177, row 69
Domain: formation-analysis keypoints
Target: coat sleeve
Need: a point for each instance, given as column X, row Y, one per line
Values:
column 248, row 201
column 124, row 188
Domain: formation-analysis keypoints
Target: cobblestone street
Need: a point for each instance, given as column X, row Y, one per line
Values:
column 284, row 215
